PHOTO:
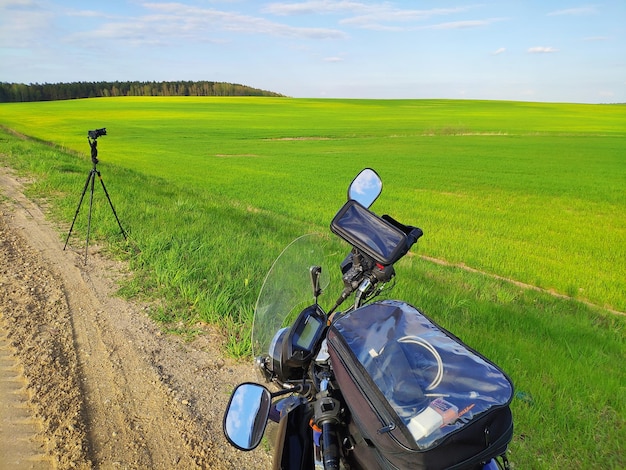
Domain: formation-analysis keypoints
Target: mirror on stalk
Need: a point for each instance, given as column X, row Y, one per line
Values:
column 246, row 415
column 366, row 187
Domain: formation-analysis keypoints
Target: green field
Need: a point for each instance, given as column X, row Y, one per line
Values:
column 211, row 189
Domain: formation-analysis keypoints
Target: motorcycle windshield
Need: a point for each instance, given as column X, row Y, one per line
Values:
column 287, row 289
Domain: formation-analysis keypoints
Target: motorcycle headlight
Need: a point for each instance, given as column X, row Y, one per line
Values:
column 275, row 364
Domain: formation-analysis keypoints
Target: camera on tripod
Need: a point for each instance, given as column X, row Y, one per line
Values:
column 91, row 178
column 93, row 143
column 97, row 133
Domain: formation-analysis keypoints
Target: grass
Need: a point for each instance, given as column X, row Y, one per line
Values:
column 530, row 191
column 210, row 190
column 564, row 358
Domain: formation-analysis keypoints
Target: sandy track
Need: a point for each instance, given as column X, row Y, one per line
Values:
column 20, row 434
column 105, row 386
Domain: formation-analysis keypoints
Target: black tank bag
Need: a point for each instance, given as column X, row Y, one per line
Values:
column 419, row 398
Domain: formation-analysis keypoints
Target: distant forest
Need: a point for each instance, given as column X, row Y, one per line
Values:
column 17, row 92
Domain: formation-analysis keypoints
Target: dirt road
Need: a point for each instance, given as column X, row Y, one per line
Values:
column 87, row 380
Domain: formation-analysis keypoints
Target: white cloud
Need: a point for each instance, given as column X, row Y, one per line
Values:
column 23, row 23
column 88, row 14
column 313, row 7
column 231, row 21
column 10, row 4
column 464, row 24
column 333, row 59
column 385, row 13
column 574, row 11
column 169, row 22
column 377, row 16
column 407, row 20
column 499, row 51
column 542, row 50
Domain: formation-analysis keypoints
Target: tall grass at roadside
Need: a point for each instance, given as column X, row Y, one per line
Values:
column 205, row 272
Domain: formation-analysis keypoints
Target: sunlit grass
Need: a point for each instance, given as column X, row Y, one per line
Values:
column 530, row 191
column 211, row 190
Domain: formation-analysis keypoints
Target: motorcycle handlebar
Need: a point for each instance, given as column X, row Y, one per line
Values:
column 412, row 233
column 413, row 236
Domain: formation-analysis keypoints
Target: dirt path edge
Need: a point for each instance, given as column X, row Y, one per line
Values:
column 110, row 389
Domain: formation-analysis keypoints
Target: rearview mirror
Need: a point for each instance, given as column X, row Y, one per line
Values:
column 246, row 415
column 365, row 188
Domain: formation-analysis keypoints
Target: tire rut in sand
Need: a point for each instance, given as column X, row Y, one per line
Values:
column 21, row 441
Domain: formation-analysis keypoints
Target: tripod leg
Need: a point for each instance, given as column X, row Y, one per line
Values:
column 111, row 204
column 93, row 180
column 89, row 177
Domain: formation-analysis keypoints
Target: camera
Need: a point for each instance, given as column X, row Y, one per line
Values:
column 97, row 133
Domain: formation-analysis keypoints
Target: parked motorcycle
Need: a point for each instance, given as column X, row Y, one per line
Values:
column 377, row 385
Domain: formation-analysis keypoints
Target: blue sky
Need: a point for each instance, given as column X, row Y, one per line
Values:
column 530, row 50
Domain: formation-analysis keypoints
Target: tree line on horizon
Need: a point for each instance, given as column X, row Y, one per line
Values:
column 20, row 92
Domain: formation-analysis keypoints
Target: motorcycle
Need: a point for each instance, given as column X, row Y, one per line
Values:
column 376, row 385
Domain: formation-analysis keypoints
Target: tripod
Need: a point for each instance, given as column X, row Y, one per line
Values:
column 92, row 137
